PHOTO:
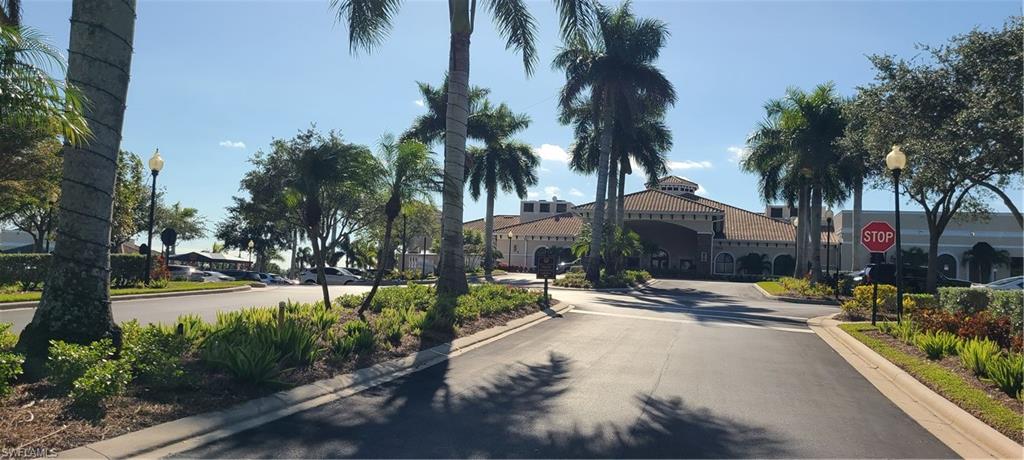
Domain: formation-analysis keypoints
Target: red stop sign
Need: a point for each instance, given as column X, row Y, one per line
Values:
column 878, row 236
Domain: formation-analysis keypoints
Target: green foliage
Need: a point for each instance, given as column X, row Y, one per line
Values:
column 355, row 337
column 573, row 280
column 10, row 369
column 1009, row 304
column 935, row 345
column 417, row 296
column 976, row 354
column 805, row 288
column 154, row 353
column 29, row 270
column 1007, row 372
column 250, row 358
column 859, row 306
column 69, row 361
column 297, row 342
column 914, row 302
column 953, row 299
column 637, row 276
column 8, row 339
column 492, row 299
column 104, row 379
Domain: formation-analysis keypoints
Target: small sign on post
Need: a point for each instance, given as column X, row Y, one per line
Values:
column 546, row 270
column 878, row 236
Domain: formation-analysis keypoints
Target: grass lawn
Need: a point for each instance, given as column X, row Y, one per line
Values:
column 772, row 287
column 173, row 286
column 947, row 383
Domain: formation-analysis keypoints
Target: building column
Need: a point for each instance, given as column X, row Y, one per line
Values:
column 705, row 253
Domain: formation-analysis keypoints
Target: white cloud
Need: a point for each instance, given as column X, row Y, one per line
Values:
column 688, row 164
column 551, row 190
column 737, row 154
column 552, row 153
column 532, row 194
column 701, row 190
column 232, row 144
column 544, row 170
column 418, row 102
column 575, row 192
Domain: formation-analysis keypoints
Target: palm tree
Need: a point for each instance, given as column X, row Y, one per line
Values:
column 502, row 163
column 368, row 23
column 408, row 172
column 429, row 128
column 610, row 68
column 75, row 305
column 981, row 258
column 754, row 264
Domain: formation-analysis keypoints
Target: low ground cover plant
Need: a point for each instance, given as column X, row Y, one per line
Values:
column 626, row 279
column 804, row 288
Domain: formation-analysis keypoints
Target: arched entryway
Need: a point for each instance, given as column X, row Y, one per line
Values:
column 947, row 265
column 981, row 259
column 783, row 265
column 659, row 258
column 725, row 264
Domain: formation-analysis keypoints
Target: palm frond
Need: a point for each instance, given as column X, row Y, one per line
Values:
column 516, row 25
column 368, row 21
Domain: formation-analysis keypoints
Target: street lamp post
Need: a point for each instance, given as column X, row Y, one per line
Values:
column 510, row 235
column 423, row 262
column 156, row 163
column 896, row 161
column 828, row 249
column 796, row 247
column 251, row 245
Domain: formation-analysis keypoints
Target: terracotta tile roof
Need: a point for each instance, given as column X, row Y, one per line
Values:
column 657, row 201
column 741, row 224
column 500, row 221
column 675, row 180
column 565, row 224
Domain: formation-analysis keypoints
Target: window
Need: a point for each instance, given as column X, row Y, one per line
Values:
column 724, row 263
column 777, row 213
column 527, row 207
column 545, row 207
column 560, row 207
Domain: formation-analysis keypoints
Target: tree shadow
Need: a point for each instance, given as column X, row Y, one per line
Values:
column 520, row 412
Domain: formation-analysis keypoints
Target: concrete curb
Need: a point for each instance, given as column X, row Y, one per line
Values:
column 955, row 427
column 118, row 298
column 781, row 298
column 190, row 432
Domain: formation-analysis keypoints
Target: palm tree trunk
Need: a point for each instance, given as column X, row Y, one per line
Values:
column 621, row 212
column 597, row 222
column 385, row 246
column 801, row 233
column 452, row 277
column 75, row 305
column 858, row 205
column 318, row 258
column 613, row 189
column 489, row 236
column 815, row 233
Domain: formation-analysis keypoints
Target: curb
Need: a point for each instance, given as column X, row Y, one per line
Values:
column 781, row 298
column 955, row 427
column 118, row 298
column 190, row 432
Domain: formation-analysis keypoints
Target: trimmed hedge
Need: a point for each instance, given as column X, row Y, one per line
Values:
column 963, row 299
column 29, row 270
column 1009, row 304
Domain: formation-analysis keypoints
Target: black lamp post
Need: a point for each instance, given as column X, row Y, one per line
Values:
column 828, row 247
column 156, row 163
column 510, row 236
column 896, row 161
column 252, row 244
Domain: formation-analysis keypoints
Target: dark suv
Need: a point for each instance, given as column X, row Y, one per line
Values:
column 915, row 279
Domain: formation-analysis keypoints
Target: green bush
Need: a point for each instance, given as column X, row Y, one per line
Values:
column 154, row 353
column 29, row 270
column 1007, row 372
column 250, row 358
column 805, row 288
column 976, row 354
column 573, row 280
column 935, row 345
column 297, row 342
column 10, row 369
column 70, row 361
column 355, row 337
column 492, row 299
column 859, row 306
column 418, row 296
column 104, row 379
column 8, row 339
column 953, row 299
column 637, row 276
column 914, row 302
column 906, row 331
column 1009, row 304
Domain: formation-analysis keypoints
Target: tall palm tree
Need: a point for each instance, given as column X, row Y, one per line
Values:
column 368, row 23
column 75, row 305
column 407, row 172
column 611, row 68
column 503, row 163
column 429, row 128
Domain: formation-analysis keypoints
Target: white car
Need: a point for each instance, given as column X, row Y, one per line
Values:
column 1005, row 284
column 334, row 275
column 214, row 277
column 183, row 273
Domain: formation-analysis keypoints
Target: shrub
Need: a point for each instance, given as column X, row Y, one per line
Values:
column 29, row 270
column 395, row 322
column 976, row 354
column 573, row 280
column 638, row 276
column 963, row 299
column 859, row 306
column 250, row 358
column 154, row 353
column 69, row 361
column 103, row 380
column 1009, row 304
column 193, row 328
column 915, row 302
column 979, row 325
column 158, row 283
column 355, row 337
column 10, row 369
column 1007, row 372
column 935, row 345
column 906, row 331
column 8, row 339
column 805, row 288
column 297, row 342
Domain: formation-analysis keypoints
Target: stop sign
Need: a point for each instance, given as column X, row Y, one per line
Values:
column 878, row 236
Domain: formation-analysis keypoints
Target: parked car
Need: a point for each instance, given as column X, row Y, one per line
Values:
column 279, row 279
column 242, row 275
column 334, row 275
column 210, row 276
column 358, row 272
column 183, row 273
column 563, row 267
column 1006, row 284
column 915, row 279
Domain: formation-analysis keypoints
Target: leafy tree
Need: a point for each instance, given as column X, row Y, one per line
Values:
column 30, row 205
column 610, row 67
column 754, row 264
column 130, row 199
column 407, row 171
column 362, row 253
column 915, row 257
column 368, row 23
column 502, row 163
column 189, row 224
column 247, row 221
column 429, row 128
column 75, row 304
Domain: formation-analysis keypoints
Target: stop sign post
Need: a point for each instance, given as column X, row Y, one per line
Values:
column 878, row 236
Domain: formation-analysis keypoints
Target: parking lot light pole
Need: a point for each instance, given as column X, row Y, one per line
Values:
column 896, row 161
column 251, row 245
column 828, row 249
column 156, row 163
column 510, row 236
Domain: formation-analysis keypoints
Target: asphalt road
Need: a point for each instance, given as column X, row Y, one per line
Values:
column 682, row 369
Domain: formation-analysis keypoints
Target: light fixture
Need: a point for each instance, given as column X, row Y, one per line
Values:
column 896, row 159
column 156, row 162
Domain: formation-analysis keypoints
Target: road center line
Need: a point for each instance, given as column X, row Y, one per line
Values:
column 691, row 321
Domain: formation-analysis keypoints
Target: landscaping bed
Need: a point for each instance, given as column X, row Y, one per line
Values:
column 171, row 371
column 956, row 369
column 798, row 288
column 628, row 278
column 171, row 286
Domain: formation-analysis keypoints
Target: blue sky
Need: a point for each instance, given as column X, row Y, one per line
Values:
column 213, row 81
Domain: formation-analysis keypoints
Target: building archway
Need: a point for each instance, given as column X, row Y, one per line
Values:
column 725, row 264
column 947, row 265
column 537, row 253
column 783, row 265
column 659, row 259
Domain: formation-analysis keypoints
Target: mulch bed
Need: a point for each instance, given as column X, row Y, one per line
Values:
column 37, row 421
column 952, row 363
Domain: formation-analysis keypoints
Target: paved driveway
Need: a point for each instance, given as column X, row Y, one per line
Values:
column 682, row 369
